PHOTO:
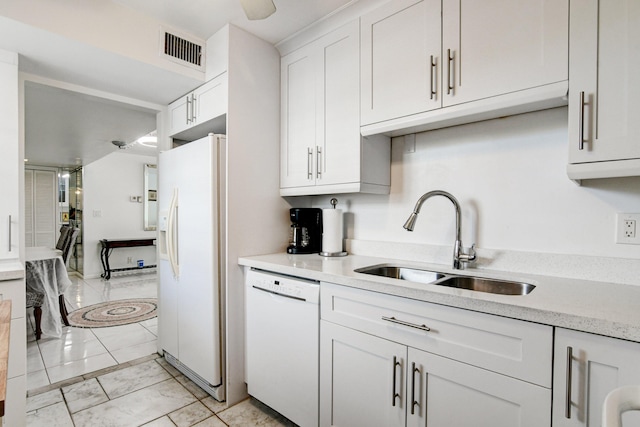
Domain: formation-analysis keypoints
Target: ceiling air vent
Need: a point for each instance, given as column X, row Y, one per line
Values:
column 179, row 49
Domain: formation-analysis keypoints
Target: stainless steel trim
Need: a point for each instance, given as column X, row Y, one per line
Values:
column 194, row 117
column 567, row 409
column 414, row 402
column 188, row 115
column 403, row 323
column 450, row 59
column 309, row 163
column 581, row 122
column 318, row 162
column 432, row 74
column 394, row 393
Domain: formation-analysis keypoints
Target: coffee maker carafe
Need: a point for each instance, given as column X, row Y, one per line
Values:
column 305, row 236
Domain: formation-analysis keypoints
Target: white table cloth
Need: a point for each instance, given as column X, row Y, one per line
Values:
column 46, row 273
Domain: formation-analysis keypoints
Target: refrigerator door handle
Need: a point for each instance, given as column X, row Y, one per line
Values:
column 172, row 246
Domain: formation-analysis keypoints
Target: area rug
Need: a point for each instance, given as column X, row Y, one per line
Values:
column 114, row 313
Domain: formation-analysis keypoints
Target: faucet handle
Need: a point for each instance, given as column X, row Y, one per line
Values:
column 469, row 256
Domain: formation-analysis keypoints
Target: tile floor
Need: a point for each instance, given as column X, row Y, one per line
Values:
column 114, row 377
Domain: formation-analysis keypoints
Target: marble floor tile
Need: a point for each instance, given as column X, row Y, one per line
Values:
column 211, row 422
column 213, row 404
column 133, row 378
column 168, row 367
column 84, row 395
column 160, row 422
column 37, row 379
column 55, row 415
column 133, row 352
column 136, row 408
column 191, row 386
column 80, row 367
column 44, row 399
column 251, row 412
column 118, row 337
column 58, row 353
column 190, row 415
column 34, row 359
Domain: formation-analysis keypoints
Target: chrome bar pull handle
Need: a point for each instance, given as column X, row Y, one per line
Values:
column 434, row 91
column 414, row 402
column 318, row 162
column 393, row 392
column 194, row 116
column 450, row 65
column 567, row 409
column 188, row 114
column 309, row 163
column 581, row 123
column 9, row 233
column 409, row 324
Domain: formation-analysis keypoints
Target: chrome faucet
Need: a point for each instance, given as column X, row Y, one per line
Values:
column 459, row 257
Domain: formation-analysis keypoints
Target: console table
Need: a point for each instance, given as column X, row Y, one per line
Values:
column 109, row 245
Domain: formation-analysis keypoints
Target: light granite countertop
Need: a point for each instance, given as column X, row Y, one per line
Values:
column 608, row 309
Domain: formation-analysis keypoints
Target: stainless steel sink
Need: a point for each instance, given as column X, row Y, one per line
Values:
column 480, row 284
column 492, row 286
column 402, row 273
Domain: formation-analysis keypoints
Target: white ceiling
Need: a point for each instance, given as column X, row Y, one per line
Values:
column 65, row 128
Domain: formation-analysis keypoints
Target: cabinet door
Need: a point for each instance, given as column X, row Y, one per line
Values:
column 605, row 83
column 400, row 41
column 338, row 139
column 9, row 161
column 180, row 114
column 502, row 46
column 586, row 368
column 361, row 379
column 210, row 99
column 298, row 103
column 444, row 393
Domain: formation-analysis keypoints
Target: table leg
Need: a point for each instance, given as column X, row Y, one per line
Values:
column 63, row 310
column 104, row 257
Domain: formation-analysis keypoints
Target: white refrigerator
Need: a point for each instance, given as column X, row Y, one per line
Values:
column 191, row 186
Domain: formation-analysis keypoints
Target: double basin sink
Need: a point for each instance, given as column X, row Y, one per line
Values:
column 480, row 284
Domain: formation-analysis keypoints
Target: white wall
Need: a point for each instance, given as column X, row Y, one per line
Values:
column 509, row 176
column 108, row 214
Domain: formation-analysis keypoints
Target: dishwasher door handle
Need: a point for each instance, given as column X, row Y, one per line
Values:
column 278, row 293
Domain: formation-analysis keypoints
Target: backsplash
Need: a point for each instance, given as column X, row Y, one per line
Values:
column 509, row 176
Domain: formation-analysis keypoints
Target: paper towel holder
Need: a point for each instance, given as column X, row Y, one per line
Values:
column 334, row 202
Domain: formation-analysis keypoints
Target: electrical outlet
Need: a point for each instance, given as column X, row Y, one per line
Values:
column 627, row 228
column 129, row 260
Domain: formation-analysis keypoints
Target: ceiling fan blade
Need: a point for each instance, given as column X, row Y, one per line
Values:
column 258, row 9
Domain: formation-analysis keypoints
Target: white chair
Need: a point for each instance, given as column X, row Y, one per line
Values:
column 620, row 400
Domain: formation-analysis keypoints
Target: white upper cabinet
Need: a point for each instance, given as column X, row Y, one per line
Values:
column 322, row 151
column 400, row 42
column 427, row 64
column 203, row 104
column 9, row 161
column 604, row 64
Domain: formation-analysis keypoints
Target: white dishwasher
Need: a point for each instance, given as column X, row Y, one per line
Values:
column 282, row 347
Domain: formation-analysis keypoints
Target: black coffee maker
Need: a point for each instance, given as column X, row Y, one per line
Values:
column 305, row 236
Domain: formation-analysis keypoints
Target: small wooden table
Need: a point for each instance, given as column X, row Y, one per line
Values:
column 109, row 245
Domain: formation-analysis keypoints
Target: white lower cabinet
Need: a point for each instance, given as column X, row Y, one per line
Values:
column 586, row 368
column 370, row 381
column 357, row 379
column 391, row 361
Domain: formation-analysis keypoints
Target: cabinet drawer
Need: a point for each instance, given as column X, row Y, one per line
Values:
column 512, row 347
